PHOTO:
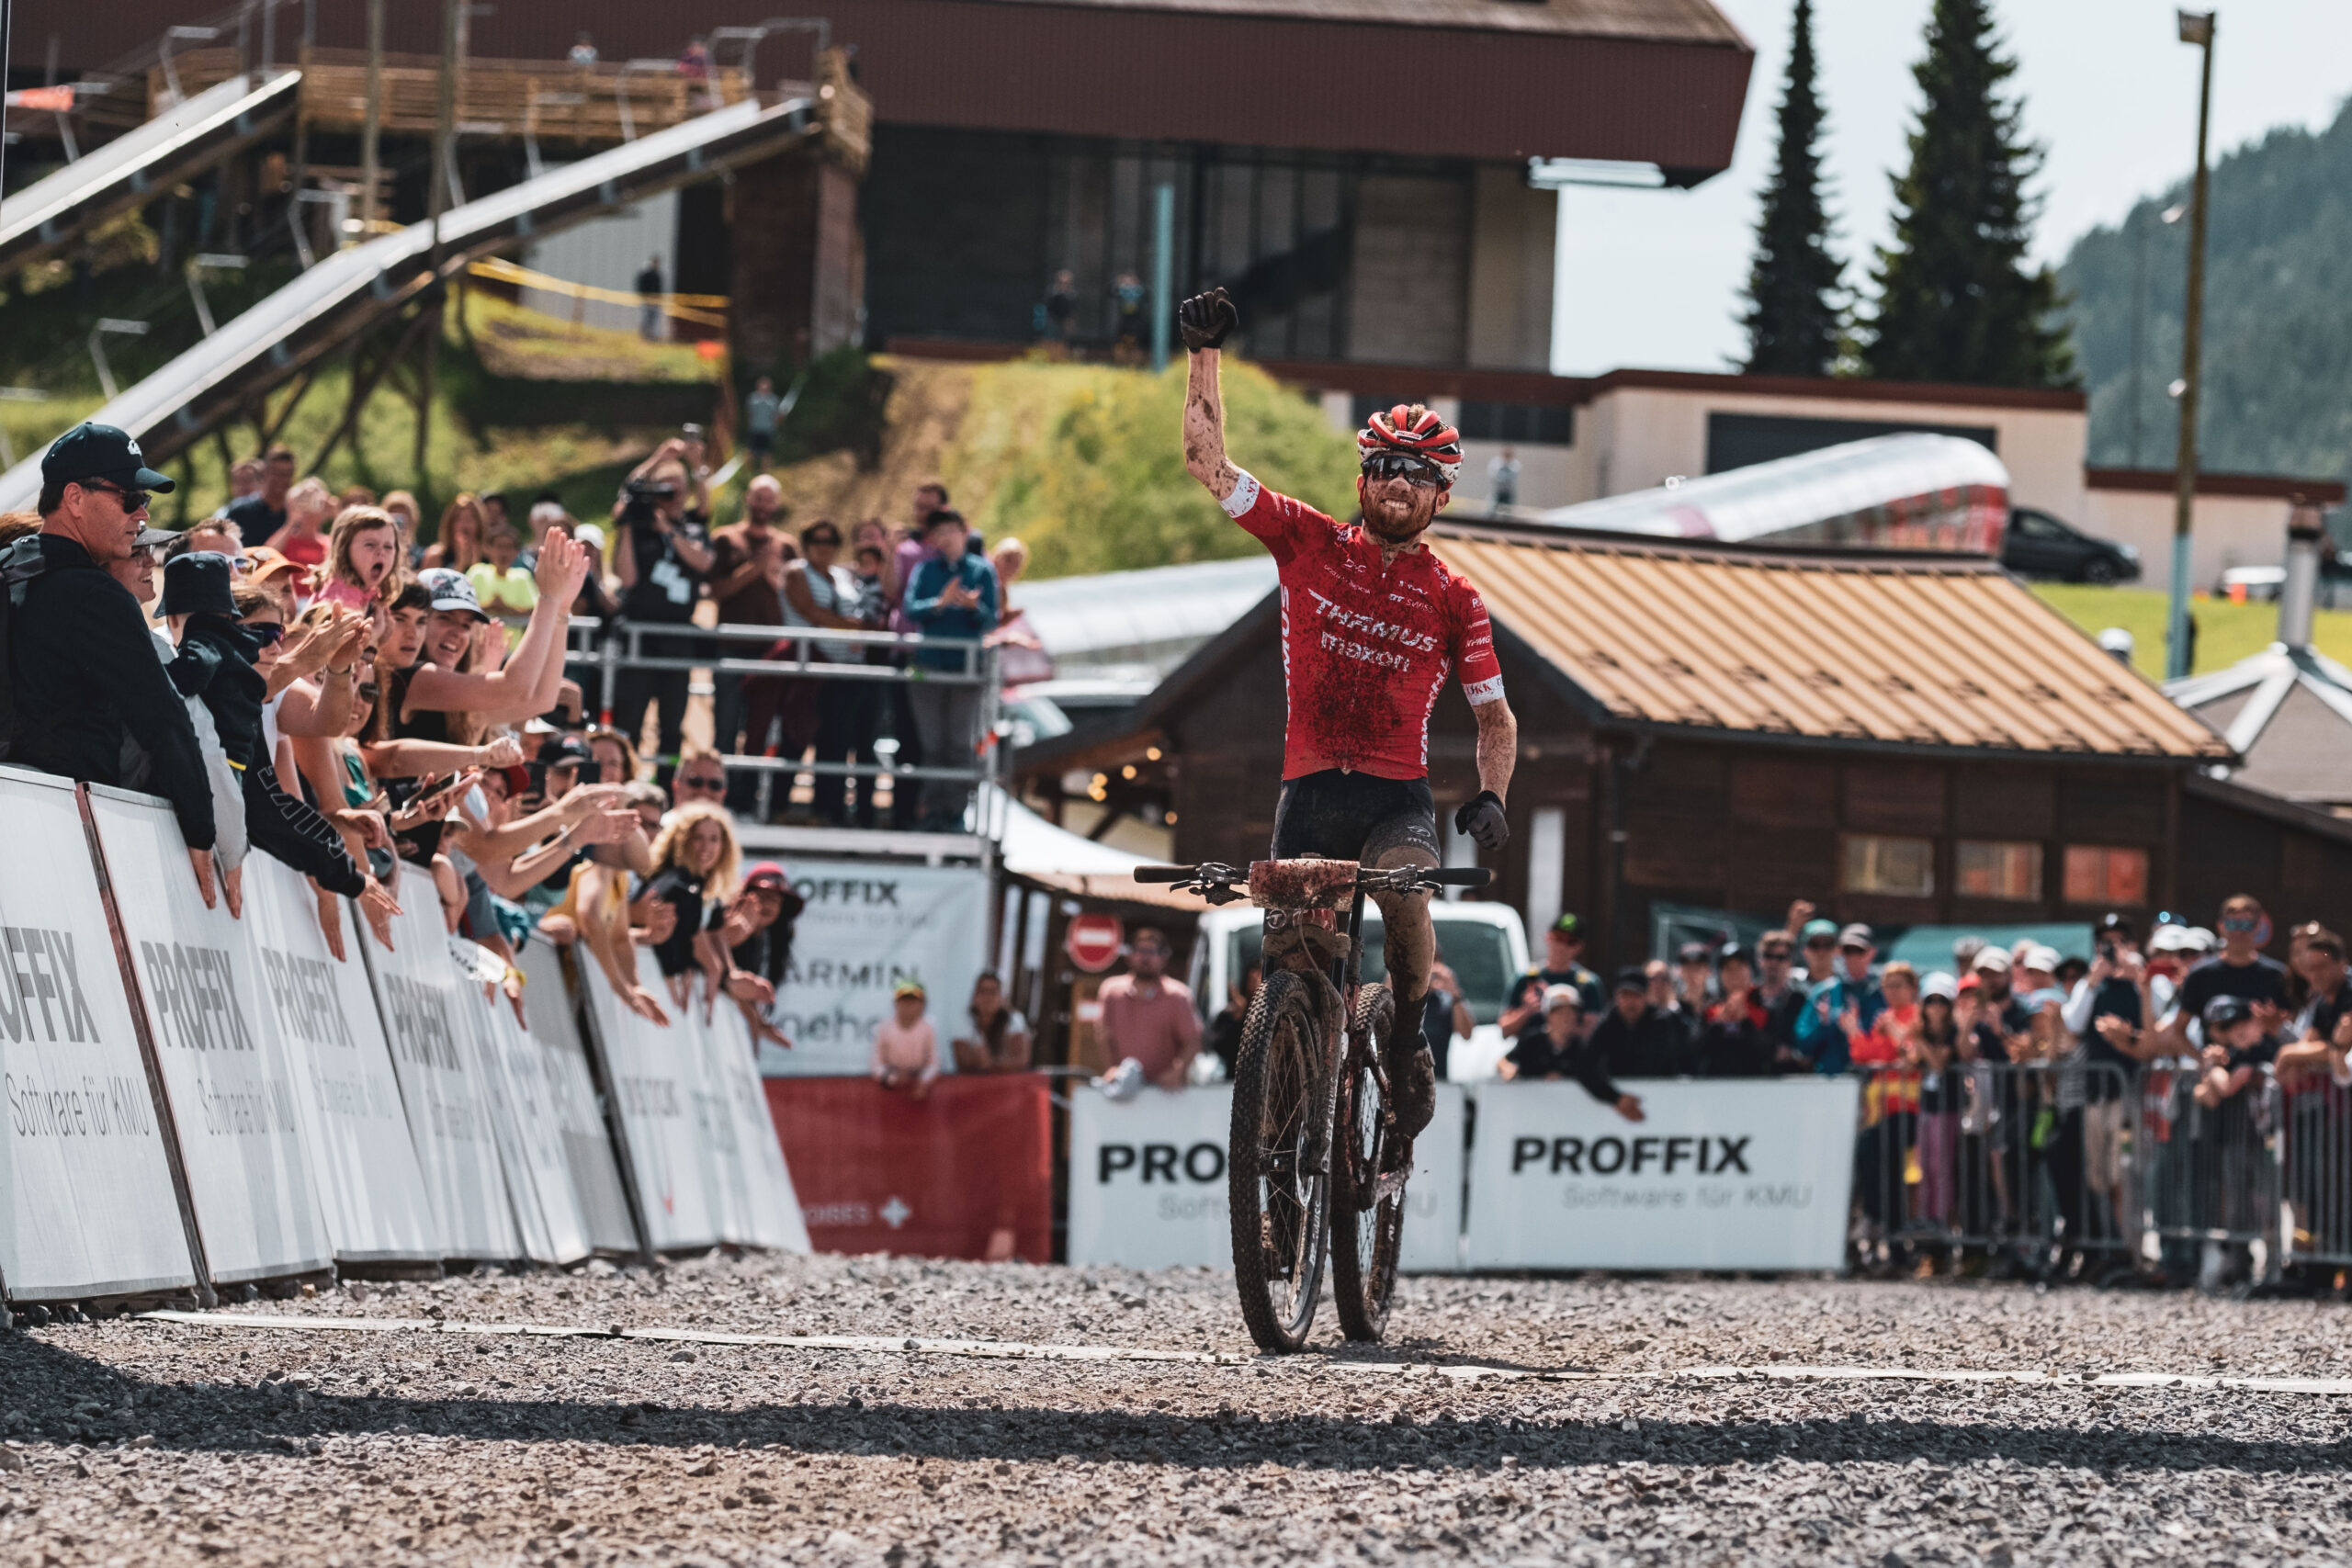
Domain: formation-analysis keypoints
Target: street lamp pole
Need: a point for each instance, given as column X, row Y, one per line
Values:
column 2197, row 28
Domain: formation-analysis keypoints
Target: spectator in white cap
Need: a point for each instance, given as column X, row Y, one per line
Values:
column 1844, row 1008
column 1558, row 1048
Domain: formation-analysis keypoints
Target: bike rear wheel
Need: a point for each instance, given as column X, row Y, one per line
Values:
column 1279, row 1162
column 1367, row 1225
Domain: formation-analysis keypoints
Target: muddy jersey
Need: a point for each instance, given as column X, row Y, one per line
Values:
column 1366, row 648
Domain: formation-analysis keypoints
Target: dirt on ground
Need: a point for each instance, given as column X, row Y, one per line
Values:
column 1479, row 1434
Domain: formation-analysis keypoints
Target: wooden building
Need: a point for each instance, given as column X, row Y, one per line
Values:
column 1897, row 738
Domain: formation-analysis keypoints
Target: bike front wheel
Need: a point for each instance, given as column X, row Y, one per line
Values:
column 1278, row 1169
column 1368, row 1217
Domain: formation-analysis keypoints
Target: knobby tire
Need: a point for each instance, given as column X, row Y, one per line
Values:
column 1279, row 1161
column 1366, row 1235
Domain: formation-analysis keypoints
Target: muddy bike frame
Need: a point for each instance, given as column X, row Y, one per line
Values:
column 1309, row 1085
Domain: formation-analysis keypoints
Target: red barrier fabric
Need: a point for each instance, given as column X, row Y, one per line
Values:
column 878, row 1170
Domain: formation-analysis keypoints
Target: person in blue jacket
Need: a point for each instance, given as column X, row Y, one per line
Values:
column 952, row 598
column 1840, row 1010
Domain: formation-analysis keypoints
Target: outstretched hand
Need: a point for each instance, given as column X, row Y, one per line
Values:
column 1205, row 319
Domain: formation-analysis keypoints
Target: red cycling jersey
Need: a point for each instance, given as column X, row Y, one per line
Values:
column 1366, row 646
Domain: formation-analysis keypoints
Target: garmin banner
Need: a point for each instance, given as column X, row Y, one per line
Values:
column 86, row 1204
column 1148, row 1188
column 1746, row 1173
column 866, row 927
column 235, row 1098
column 419, row 995
column 353, row 1128
column 572, row 1095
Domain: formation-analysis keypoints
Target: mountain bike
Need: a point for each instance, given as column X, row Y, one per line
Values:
column 1315, row 1167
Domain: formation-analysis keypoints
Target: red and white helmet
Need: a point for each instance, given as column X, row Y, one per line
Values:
column 1415, row 431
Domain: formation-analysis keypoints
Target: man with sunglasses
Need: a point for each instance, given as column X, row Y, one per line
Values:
column 82, row 672
column 1371, row 625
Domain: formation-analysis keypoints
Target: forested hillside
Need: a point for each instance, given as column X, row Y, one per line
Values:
column 2278, row 395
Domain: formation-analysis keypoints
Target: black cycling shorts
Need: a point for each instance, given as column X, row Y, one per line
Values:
column 1358, row 817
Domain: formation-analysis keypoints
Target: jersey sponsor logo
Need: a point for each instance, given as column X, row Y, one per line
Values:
column 1484, row 692
column 1370, row 626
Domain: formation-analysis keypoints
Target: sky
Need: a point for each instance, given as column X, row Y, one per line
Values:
column 1652, row 279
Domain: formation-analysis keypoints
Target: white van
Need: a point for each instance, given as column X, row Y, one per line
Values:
column 1484, row 945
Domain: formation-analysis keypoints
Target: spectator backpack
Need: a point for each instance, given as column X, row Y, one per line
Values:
column 20, row 563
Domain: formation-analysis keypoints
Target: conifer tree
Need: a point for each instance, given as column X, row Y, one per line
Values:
column 1792, row 288
column 1956, row 301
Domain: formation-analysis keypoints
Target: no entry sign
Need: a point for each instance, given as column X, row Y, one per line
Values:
column 1093, row 941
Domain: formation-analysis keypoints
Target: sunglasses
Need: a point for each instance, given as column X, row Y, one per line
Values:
column 132, row 500
column 1396, row 466
column 702, row 781
column 1775, row 956
column 815, row 540
column 268, row 633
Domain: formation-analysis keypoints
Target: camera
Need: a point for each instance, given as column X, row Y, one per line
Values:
column 641, row 498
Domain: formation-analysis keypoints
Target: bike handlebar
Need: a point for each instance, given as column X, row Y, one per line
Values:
column 1425, row 876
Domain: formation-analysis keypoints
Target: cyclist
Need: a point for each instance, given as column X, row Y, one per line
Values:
column 1371, row 622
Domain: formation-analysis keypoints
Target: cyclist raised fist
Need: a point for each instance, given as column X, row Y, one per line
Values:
column 1372, row 623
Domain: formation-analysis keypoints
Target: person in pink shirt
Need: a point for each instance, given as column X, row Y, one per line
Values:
column 906, row 1047
column 363, row 556
column 1148, row 1018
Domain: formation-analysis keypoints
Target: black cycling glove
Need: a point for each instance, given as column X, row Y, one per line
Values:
column 1205, row 319
column 1482, row 818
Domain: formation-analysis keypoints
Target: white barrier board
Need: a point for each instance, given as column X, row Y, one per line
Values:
column 480, row 1038
column 235, row 1098
column 656, row 1078
column 759, row 1208
column 1147, row 1184
column 572, row 1093
column 351, row 1119
column 866, row 927
column 86, row 1205
column 419, row 995
column 1745, row 1173
column 530, row 1138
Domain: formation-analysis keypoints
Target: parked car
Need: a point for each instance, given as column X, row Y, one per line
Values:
column 2252, row 582
column 2037, row 545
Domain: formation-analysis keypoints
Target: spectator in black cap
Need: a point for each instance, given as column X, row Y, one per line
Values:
column 1843, row 1008
column 1735, row 1041
column 1634, row 1040
column 83, row 675
column 217, row 663
column 1556, row 1047
column 1562, row 965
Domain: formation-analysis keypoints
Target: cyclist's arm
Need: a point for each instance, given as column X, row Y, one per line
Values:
column 1204, row 457
column 1498, row 746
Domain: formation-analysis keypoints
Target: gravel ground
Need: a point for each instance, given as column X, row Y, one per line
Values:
column 131, row 1442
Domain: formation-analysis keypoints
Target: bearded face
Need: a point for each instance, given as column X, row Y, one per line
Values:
column 1395, row 509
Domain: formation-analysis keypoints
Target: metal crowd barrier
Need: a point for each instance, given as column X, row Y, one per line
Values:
column 608, row 648
column 2315, row 1160
column 2017, row 1158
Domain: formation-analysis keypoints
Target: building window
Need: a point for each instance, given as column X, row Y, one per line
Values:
column 2103, row 874
column 1900, row 868
column 1989, row 869
column 1534, row 425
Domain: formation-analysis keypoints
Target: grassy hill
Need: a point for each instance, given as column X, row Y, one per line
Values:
column 2225, row 632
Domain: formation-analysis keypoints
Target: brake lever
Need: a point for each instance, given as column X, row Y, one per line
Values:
column 1219, row 893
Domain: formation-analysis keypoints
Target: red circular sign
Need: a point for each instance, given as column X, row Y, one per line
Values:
column 1093, row 941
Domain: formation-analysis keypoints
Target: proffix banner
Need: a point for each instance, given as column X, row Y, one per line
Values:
column 352, row 1122
column 86, row 1205
column 419, row 996
column 1147, row 1183
column 865, row 928
column 572, row 1095
column 657, row 1083
column 1748, row 1173
column 235, row 1098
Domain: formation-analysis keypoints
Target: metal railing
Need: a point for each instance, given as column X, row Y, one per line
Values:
column 2019, row 1158
column 2315, row 1161
column 611, row 648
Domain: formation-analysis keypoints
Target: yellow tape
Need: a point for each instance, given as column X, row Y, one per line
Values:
column 500, row 270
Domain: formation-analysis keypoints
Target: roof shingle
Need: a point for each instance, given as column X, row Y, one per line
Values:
column 1905, row 649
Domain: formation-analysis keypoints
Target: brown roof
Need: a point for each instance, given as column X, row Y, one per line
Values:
column 1887, row 648
column 1645, row 81
column 1563, row 391
column 2252, row 487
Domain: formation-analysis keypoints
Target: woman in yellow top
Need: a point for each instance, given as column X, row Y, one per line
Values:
column 507, row 593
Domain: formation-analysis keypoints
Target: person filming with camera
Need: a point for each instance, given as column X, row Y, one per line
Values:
column 662, row 559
